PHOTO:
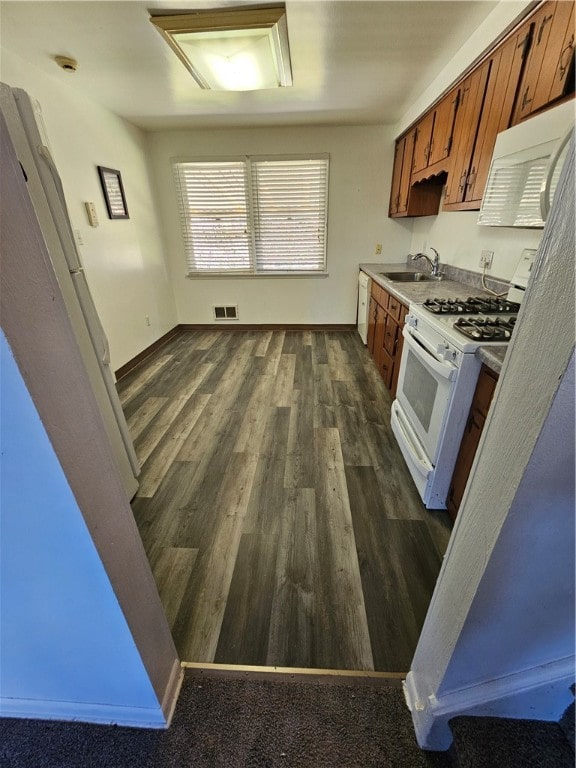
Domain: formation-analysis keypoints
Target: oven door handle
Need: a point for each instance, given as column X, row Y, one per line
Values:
column 417, row 453
column 443, row 368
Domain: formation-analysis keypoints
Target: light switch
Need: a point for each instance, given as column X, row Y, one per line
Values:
column 91, row 213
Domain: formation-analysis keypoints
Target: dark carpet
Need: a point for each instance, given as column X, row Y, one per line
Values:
column 257, row 723
column 490, row 742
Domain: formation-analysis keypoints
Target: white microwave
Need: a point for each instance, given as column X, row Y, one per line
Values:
column 525, row 169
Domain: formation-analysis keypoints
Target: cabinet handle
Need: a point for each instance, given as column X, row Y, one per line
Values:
column 565, row 61
column 525, row 99
column 545, row 21
column 462, row 181
column 525, row 45
column 426, row 153
column 431, row 150
column 471, row 177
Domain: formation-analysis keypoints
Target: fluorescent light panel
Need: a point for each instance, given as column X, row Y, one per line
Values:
column 231, row 50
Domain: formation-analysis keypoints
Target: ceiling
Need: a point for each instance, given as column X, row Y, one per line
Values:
column 353, row 62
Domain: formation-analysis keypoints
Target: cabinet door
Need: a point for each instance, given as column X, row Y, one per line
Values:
column 406, row 171
column 468, row 447
column 397, row 176
column 443, row 127
column 422, row 142
column 379, row 334
column 470, row 439
column 386, row 368
column 549, row 63
column 371, row 325
column 399, row 348
column 505, row 68
column 472, row 93
column 557, row 59
column 390, row 335
column 563, row 80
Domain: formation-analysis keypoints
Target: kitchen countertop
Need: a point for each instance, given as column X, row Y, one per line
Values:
column 492, row 356
column 416, row 293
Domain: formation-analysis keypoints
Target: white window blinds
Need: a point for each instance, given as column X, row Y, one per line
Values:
column 255, row 215
column 214, row 216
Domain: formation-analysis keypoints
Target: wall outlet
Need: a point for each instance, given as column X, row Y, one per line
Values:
column 147, row 319
column 378, row 250
column 486, row 259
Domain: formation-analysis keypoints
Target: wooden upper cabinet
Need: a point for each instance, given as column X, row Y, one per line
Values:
column 434, row 135
column 397, row 176
column 445, row 115
column 405, row 199
column 423, row 142
column 505, row 68
column 468, row 116
column 532, row 68
column 550, row 63
column 403, row 159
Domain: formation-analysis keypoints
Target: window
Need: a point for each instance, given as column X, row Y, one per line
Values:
column 254, row 215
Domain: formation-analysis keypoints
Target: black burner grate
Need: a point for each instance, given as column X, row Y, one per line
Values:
column 471, row 305
column 486, row 328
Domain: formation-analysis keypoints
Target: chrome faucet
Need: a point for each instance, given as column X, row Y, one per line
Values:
column 435, row 265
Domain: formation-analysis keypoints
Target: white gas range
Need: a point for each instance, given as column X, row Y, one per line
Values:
column 438, row 375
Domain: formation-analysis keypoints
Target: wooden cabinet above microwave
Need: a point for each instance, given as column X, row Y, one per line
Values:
column 453, row 142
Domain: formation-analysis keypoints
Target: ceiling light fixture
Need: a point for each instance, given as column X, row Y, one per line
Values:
column 232, row 49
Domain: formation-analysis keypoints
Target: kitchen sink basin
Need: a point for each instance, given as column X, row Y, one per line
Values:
column 407, row 277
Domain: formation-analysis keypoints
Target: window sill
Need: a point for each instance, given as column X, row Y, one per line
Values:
column 243, row 276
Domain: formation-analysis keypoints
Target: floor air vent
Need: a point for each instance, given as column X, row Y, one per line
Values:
column 226, row 312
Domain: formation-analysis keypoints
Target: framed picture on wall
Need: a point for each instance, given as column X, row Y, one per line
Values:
column 113, row 190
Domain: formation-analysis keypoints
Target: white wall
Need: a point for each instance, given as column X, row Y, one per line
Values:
column 360, row 176
column 498, row 638
column 460, row 240
column 123, row 259
column 455, row 234
column 66, row 649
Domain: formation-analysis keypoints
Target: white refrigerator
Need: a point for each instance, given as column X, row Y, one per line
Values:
column 24, row 125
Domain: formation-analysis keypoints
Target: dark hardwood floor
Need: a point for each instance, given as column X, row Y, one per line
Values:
column 279, row 518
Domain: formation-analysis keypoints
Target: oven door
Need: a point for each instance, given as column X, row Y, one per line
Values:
column 425, row 386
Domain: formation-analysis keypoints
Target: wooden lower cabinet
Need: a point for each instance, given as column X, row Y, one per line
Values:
column 474, row 426
column 385, row 325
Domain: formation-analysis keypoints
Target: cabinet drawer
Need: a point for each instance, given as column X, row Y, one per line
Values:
column 394, row 307
column 379, row 294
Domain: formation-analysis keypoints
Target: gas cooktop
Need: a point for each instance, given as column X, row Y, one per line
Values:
column 472, row 305
column 482, row 319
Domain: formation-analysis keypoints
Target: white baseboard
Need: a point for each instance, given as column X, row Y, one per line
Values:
column 540, row 693
column 101, row 714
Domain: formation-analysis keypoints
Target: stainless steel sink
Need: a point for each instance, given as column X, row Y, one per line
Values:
column 407, row 277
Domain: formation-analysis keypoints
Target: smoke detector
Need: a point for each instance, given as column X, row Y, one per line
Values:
column 66, row 63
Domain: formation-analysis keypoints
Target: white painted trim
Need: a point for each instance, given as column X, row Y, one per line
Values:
column 100, row 714
column 170, row 698
column 494, row 698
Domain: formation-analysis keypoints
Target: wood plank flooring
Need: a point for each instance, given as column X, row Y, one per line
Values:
column 279, row 518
